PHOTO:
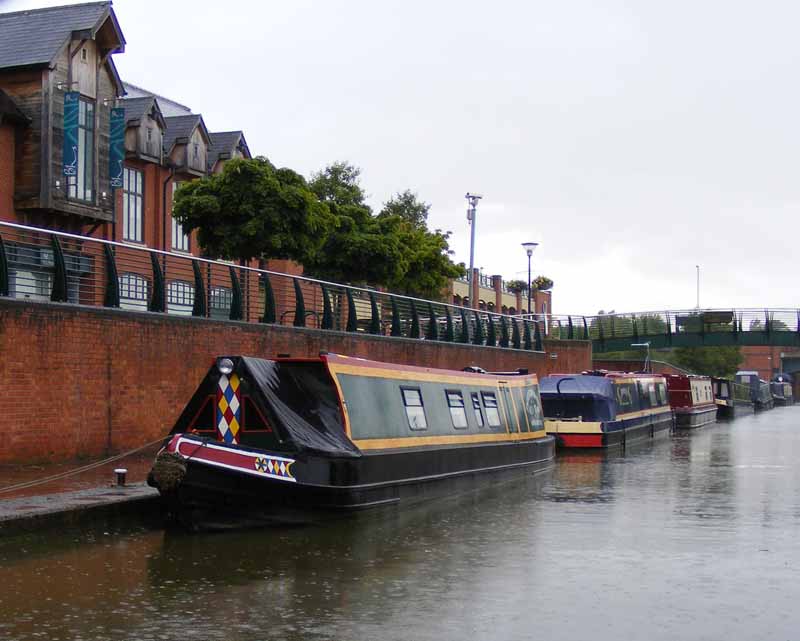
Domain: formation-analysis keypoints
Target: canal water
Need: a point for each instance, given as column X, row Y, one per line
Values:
column 696, row 536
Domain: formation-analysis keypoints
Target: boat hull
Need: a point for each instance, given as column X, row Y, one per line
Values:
column 616, row 434
column 726, row 411
column 688, row 418
column 211, row 495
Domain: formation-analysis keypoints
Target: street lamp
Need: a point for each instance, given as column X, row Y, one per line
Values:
column 472, row 204
column 529, row 247
column 647, row 367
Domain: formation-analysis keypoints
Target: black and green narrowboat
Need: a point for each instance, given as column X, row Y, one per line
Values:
column 288, row 439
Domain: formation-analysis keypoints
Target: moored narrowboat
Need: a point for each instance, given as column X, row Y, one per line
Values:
column 781, row 389
column 287, row 439
column 760, row 394
column 732, row 399
column 692, row 400
column 605, row 409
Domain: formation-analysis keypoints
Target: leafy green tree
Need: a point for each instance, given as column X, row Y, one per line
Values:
column 711, row 361
column 254, row 210
column 430, row 267
column 409, row 207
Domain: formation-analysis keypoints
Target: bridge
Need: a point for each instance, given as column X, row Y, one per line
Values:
column 684, row 328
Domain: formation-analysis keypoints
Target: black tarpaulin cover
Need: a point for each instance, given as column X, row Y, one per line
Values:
column 304, row 400
column 298, row 397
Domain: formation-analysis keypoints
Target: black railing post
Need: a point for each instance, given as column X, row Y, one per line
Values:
column 585, row 329
column 477, row 339
column 433, row 327
column 299, row 305
column 414, row 321
column 270, row 313
column 59, row 292
column 570, row 329
column 503, row 331
column 537, row 337
column 464, row 337
column 397, row 329
column 449, row 330
column 327, row 310
column 491, row 334
column 111, row 298
column 516, row 343
column 526, row 336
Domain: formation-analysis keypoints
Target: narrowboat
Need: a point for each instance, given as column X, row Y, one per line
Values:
column 732, row 399
column 760, row 394
column 290, row 439
column 692, row 400
column 781, row 389
column 605, row 409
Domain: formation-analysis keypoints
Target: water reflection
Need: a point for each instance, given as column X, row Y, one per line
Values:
column 690, row 537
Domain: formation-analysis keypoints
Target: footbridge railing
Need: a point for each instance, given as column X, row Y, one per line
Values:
column 44, row 265
column 694, row 328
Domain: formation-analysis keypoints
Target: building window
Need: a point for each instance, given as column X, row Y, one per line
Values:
column 415, row 412
column 180, row 298
column 132, row 204
column 455, row 401
column 180, row 240
column 219, row 302
column 81, row 185
column 476, row 407
column 492, row 414
column 134, row 292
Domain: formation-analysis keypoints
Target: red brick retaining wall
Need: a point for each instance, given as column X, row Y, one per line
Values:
column 83, row 382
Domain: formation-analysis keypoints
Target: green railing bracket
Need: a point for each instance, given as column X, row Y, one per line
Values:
column 375, row 318
column 414, row 321
column 59, row 292
column 537, row 337
column 433, row 324
column 237, row 310
column 397, row 329
column 4, row 289
column 503, row 332
column 477, row 339
column 327, row 310
column 199, row 307
column 111, row 297
column 270, row 313
column 585, row 329
column 516, row 343
column 464, row 337
column 491, row 334
column 449, row 330
column 352, row 315
column 526, row 336
column 299, row 305
column 157, row 301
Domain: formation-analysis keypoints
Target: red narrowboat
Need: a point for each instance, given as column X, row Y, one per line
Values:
column 692, row 400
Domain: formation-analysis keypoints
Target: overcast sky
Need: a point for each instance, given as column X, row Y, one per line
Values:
column 633, row 140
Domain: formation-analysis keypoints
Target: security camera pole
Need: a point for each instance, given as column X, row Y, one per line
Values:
column 472, row 203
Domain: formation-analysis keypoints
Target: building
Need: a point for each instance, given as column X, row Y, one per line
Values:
column 494, row 296
column 56, row 65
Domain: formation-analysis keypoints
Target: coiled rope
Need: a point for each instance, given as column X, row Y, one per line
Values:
column 77, row 470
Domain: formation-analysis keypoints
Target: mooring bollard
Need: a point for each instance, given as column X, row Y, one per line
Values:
column 120, row 472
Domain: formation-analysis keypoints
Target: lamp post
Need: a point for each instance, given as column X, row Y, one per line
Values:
column 697, row 267
column 529, row 247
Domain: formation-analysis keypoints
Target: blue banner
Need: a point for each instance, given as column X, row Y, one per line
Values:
column 116, row 147
column 71, row 110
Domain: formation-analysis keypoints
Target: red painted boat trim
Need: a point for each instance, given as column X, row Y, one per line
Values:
column 580, row 440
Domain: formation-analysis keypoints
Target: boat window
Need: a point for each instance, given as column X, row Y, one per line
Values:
column 651, row 389
column 455, row 401
column 203, row 421
column 476, row 406
column 624, row 394
column 490, row 403
column 415, row 412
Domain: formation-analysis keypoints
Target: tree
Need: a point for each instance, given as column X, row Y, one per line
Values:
column 711, row 361
column 541, row 283
column 407, row 206
column 254, row 210
column 394, row 249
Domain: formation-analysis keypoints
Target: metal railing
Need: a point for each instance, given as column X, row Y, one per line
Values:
column 45, row 265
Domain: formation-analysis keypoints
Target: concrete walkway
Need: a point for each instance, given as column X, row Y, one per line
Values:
column 79, row 499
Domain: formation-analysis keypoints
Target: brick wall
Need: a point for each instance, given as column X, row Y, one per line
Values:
column 82, row 382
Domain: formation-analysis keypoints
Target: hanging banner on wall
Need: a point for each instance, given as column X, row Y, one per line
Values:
column 71, row 109
column 116, row 148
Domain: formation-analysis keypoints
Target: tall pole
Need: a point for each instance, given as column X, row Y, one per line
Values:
column 472, row 203
column 698, row 285
column 529, row 284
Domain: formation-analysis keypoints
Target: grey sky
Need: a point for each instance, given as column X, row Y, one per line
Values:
column 632, row 139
